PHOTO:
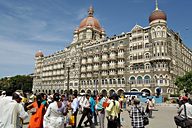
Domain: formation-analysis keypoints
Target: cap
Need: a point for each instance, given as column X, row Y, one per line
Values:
column 3, row 92
column 184, row 98
column 17, row 95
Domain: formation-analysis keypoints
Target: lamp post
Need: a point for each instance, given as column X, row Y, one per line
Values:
column 130, row 83
column 68, row 70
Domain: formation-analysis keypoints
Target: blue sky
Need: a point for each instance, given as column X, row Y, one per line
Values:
column 27, row 26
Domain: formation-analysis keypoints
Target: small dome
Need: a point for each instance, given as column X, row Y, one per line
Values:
column 90, row 21
column 157, row 14
column 39, row 54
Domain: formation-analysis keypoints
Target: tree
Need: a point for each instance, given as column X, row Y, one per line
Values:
column 16, row 83
column 185, row 82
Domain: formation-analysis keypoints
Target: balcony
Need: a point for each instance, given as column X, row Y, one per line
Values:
column 104, row 67
column 112, row 66
column 83, row 61
column 83, row 75
column 104, row 73
column 95, row 68
column 112, row 57
column 96, row 59
column 120, row 65
column 112, row 73
column 89, row 68
column 89, row 61
column 120, row 72
column 120, row 55
column 83, row 69
column 89, row 75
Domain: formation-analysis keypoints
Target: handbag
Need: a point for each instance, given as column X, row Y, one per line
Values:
column 145, row 118
column 182, row 121
column 72, row 120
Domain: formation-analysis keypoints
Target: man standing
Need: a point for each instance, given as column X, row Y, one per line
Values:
column 86, row 112
column 14, row 112
column 74, row 106
column 188, row 108
column 101, row 110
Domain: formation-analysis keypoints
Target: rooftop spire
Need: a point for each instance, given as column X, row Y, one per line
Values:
column 156, row 5
column 90, row 11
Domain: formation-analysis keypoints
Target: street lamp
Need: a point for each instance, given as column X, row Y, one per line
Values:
column 130, row 83
column 68, row 70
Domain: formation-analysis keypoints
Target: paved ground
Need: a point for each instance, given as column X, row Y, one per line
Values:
column 163, row 118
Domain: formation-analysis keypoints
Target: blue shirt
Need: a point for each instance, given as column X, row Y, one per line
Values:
column 100, row 104
column 92, row 103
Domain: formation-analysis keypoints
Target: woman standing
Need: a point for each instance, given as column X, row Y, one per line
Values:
column 54, row 116
column 38, row 110
column 136, row 114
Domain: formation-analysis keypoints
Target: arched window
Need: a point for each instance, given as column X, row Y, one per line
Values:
column 147, row 66
column 139, row 80
column 147, row 45
column 131, row 57
column 103, row 82
column 114, row 81
column 132, row 80
column 106, row 81
column 131, row 68
column 146, row 79
column 119, row 81
column 110, row 81
column 123, row 81
column 161, row 79
column 146, row 55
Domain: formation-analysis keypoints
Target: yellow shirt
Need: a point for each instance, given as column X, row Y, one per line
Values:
column 112, row 109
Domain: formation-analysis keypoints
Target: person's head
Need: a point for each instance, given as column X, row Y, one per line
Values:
column 185, row 99
column 39, row 100
column 74, row 95
column 100, row 96
column 17, row 97
column 114, row 96
column 87, row 96
column 56, row 97
column 136, row 101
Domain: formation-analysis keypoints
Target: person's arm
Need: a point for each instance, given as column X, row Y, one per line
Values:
column 22, row 114
column 75, row 105
column 131, row 113
column 29, row 106
column 180, row 109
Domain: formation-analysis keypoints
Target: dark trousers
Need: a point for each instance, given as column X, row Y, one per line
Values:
column 86, row 112
column 75, row 115
column 93, row 115
column 112, row 124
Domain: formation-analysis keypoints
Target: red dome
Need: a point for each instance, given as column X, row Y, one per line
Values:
column 39, row 54
column 157, row 14
column 90, row 20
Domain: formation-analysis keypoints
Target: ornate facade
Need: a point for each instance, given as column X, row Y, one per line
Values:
column 144, row 59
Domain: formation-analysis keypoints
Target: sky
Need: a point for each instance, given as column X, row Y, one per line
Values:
column 27, row 26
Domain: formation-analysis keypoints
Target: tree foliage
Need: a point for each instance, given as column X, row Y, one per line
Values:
column 185, row 82
column 19, row 82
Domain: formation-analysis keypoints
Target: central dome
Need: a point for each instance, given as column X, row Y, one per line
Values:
column 157, row 14
column 90, row 21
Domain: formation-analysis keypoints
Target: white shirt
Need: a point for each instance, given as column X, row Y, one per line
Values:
column 10, row 113
column 188, row 110
column 75, row 105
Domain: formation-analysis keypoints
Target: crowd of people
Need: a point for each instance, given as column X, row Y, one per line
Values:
column 60, row 111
